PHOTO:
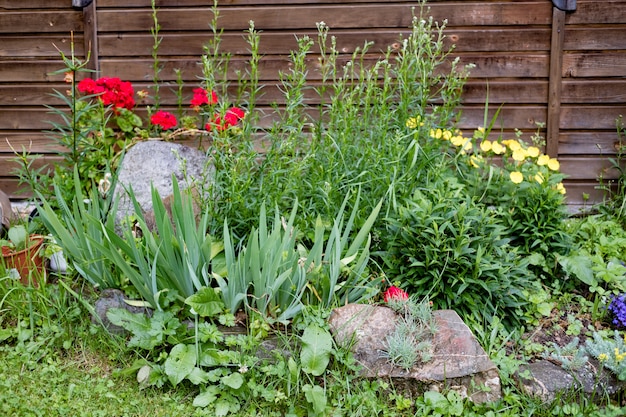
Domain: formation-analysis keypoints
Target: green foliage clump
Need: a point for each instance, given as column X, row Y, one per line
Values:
column 598, row 258
column 444, row 246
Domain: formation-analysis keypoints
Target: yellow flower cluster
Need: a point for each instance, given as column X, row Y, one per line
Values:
column 519, row 153
column 618, row 356
column 510, row 149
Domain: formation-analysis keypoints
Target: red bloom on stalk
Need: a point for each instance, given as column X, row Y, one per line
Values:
column 201, row 98
column 112, row 91
column 396, row 294
column 164, row 119
column 231, row 118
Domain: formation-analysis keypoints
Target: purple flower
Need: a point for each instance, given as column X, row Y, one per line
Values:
column 617, row 308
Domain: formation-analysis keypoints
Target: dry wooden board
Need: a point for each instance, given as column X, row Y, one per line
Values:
column 337, row 16
column 41, row 21
column 29, row 46
column 590, row 117
column 598, row 64
column 592, row 142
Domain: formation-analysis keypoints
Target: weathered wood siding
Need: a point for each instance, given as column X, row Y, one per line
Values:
column 512, row 43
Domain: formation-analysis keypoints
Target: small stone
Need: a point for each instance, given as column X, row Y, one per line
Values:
column 113, row 298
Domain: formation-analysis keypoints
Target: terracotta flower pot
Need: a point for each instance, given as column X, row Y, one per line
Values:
column 28, row 262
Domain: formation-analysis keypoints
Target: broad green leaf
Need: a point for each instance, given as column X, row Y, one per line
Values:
column 234, row 380
column 222, row 408
column 316, row 397
column 205, row 398
column 198, row 376
column 206, row 302
column 580, row 267
column 180, row 363
column 316, row 349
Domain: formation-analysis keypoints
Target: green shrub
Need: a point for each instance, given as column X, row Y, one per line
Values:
column 444, row 246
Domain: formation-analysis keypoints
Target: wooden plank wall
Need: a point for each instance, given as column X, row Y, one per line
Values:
column 509, row 41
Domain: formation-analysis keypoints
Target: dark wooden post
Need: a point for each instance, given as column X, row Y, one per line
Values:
column 91, row 35
column 554, row 87
column 556, row 69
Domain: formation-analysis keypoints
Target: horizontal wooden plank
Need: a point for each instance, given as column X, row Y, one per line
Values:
column 595, row 38
column 280, row 42
column 514, row 90
column 9, row 165
column 34, row 4
column 590, row 117
column 42, row 21
column 486, row 66
column 12, row 142
column 597, row 12
column 510, row 117
column 336, row 16
column 592, row 142
column 582, row 195
column 40, row 46
column 41, row 70
column 13, row 189
column 594, row 64
column 587, row 168
column 605, row 90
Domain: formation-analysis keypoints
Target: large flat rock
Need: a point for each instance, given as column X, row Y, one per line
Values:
column 458, row 362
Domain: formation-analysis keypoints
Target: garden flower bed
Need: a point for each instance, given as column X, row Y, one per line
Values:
column 380, row 199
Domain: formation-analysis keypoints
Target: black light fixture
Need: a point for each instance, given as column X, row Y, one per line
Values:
column 565, row 5
column 81, row 3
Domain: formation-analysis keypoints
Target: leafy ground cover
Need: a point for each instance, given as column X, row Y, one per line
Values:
column 379, row 197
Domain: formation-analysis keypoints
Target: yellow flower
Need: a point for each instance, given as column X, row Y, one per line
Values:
column 485, row 146
column 413, row 122
column 436, row 133
column 533, row 151
column 560, row 188
column 457, row 140
column 516, row 176
column 476, row 160
column 497, row 148
column 543, row 160
column 602, row 357
column 513, row 145
column 553, row 164
column 519, row 154
column 446, row 135
column 539, row 177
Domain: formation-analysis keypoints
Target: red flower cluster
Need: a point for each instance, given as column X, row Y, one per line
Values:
column 112, row 91
column 231, row 118
column 201, row 98
column 164, row 119
column 396, row 294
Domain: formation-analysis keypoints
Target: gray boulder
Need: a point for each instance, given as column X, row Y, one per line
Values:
column 153, row 163
column 546, row 380
column 458, row 363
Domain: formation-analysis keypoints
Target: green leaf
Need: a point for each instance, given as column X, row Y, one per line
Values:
column 316, row 349
column 205, row 398
column 206, row 302
column 222, row 408
column 198, row 376
column 180, row 363
column 579, row 266
column 234, row 380
column 316, row 397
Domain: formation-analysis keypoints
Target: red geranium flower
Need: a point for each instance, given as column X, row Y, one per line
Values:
column 396, row 294
column 112, row 91
column 164, row 119
column 231, row 118
column 201, row 98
